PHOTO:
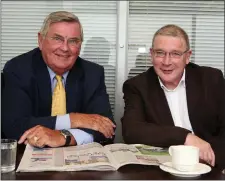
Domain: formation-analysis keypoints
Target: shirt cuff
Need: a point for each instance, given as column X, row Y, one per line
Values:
column 62, row 122
column 81, row 136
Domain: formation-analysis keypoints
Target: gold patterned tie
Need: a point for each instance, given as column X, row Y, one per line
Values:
column 59, row 98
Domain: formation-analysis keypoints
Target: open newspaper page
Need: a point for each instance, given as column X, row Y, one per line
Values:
column 124, row 154
column 91, row 156
column 87, row 157
column 36, row 159
column 84, row 157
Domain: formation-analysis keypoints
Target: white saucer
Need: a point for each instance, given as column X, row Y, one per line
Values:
column 200, row 169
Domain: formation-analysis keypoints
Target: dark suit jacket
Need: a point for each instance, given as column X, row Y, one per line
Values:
column 147, row 118
column 28, row 97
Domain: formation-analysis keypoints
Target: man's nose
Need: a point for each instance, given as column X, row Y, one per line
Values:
column 167, row 59
column 65, row 46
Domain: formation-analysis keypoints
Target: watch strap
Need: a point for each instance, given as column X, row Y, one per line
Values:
column 68, row 139
column 67, row 136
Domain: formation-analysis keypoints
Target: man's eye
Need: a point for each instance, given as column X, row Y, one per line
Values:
column 57, row 38
column 160, row 53
column 73, row 41
column 176, row 54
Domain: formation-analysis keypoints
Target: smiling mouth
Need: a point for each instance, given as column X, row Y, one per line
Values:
column 64, row 56
column 167, row 71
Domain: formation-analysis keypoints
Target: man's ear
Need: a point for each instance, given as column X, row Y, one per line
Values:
column 150, row 52
column 40, row 40
column 188, row 56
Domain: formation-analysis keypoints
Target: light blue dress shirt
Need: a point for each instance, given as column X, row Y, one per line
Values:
column 63, row 121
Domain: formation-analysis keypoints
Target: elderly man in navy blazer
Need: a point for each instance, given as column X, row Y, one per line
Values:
column 29, row 85
column 175, row 101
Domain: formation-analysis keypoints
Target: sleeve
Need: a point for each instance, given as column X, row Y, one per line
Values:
column 81, row 137
column 17, row 107
column 99, row 104
column 62, row 122
column 218, row 141
column 137, row 128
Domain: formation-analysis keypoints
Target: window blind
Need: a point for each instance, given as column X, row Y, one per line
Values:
column 21, row 21
column 202, row 20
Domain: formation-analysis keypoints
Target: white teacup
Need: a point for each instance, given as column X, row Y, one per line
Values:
column 184, row 158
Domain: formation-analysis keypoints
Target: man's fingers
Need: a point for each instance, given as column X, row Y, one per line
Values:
column 98, row 127
column 31, row 142
column 25, row 135
column 109, row 121
column 207, row 157
column 213, row 158
column 32, row 135
column 201, row 155
column 109, row 130
column 109, row 127
column 37, row 141
column 105, row 127
column 108, row 124
column 40, row 142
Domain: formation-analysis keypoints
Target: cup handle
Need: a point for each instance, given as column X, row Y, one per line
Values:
column 170, row 150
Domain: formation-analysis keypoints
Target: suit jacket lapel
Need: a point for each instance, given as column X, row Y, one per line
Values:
column 193, row 92
column 74, row 87
column 43, row 84
column 158, row 99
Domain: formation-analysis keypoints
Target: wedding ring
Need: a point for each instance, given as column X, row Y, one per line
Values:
column 35, row 138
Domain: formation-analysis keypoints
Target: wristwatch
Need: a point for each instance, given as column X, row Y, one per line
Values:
column 67, row 135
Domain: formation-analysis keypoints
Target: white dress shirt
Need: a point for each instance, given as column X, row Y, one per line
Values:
column 177, row 101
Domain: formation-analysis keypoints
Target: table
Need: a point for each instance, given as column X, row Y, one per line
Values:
column 128, row 172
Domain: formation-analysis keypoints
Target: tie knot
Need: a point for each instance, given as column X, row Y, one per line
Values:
column 58, row 78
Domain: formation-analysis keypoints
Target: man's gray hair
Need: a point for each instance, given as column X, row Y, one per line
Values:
column 60, row 16
column 172, row 30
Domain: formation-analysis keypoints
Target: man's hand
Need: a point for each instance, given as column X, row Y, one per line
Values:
column 206, row 152
column 93, row 121
column 40, row 136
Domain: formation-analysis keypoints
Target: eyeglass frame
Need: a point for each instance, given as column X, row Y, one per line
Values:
column 179, row 54
column 58, row 39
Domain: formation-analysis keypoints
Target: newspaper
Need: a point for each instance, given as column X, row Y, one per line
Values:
column 91, row 156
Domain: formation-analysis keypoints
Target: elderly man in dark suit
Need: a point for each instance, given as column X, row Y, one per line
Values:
column 175, row 101
column 52, row 97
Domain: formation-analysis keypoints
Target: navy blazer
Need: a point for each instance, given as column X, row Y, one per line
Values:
column 27, row 94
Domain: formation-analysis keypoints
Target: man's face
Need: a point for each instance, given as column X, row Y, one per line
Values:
column 61, row 46
column 169, row 68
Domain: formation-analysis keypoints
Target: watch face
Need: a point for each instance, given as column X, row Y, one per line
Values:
column 65, row 132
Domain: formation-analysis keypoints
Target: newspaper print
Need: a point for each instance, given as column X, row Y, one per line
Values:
column 85, row 155
column 41, row 157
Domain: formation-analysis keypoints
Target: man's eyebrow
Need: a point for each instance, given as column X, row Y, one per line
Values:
column 58, row 35
column 158, row 49
column 75, row 38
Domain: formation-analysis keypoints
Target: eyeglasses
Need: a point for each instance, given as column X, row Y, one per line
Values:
column 73, row 42
column 173, row 54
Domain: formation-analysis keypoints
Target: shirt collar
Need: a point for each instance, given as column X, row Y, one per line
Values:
column 181, row 83
column 53, row 74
